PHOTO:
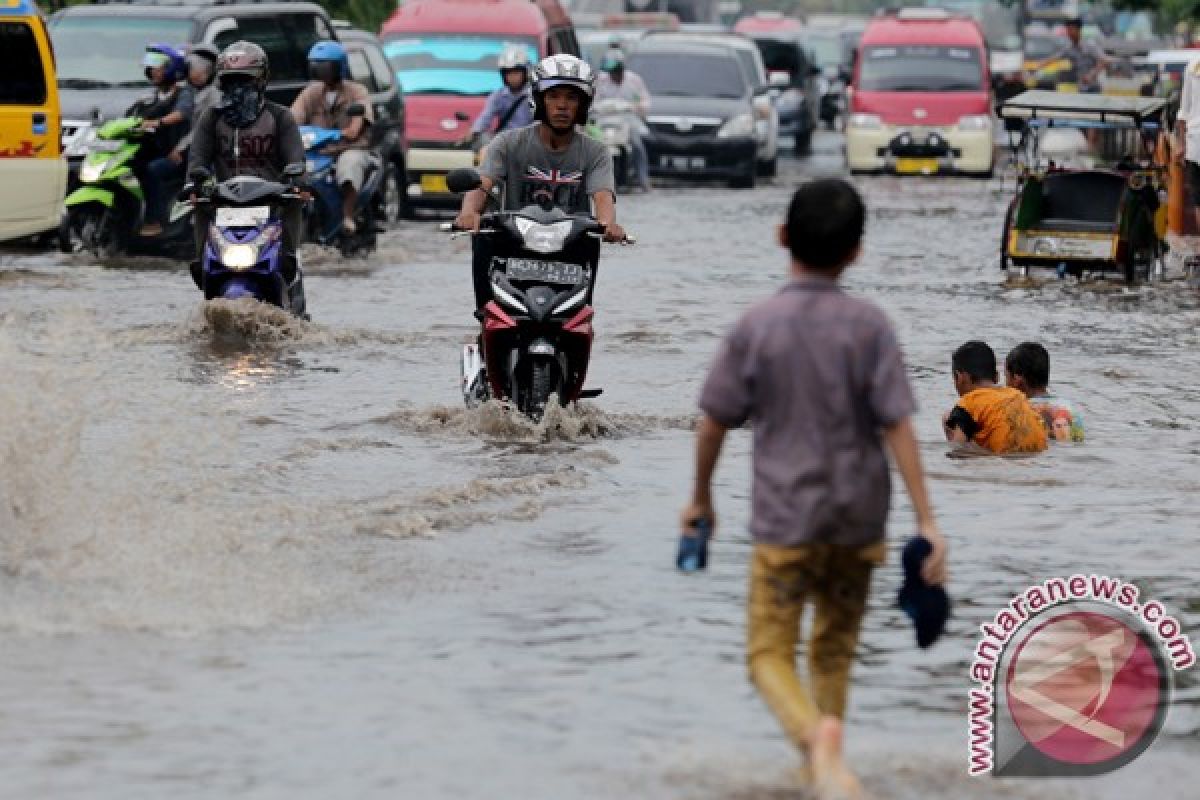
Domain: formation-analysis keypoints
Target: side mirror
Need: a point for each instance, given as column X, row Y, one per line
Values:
column 356, row 110
column 779, row 79
column 293, row 170
column 461, row 181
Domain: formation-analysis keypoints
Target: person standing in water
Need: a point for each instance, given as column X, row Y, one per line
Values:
column 820, row 375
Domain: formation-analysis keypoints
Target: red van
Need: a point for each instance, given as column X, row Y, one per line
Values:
column 921, row 96
column 444, row 54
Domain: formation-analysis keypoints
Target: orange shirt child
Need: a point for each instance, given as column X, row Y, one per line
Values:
column 997, row 418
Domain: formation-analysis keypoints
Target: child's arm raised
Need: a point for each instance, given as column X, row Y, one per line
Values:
column 902, row 443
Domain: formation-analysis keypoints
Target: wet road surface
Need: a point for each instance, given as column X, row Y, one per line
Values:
column 242, row 556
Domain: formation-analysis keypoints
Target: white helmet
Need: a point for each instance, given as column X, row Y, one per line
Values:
column 563, row 70
column 513, row 56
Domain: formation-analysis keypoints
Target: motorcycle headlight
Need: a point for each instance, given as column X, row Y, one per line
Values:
column 975, row 122
column 239, row 256
column 741, row 125
column 543, row 238
column 91, row 171
column 865, row 122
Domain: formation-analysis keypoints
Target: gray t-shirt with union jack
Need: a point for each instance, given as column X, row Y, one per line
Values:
column 532, row 173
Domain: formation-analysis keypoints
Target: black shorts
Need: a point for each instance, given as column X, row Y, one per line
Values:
column 1193, row 182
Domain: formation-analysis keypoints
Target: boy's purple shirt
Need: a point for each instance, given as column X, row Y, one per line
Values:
column 819, row 373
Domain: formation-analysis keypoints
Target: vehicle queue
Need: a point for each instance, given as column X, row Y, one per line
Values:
column 914, row 91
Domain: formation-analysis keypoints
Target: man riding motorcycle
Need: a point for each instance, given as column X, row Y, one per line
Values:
column 246, row 134
column 617, row 83
column 201, row 84
column 167, row 118
column 508, row 107
column 550, row 163
column 324, row 103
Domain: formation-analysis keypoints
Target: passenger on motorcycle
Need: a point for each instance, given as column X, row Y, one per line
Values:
column 324, row 103
column 246, row 134
column 550, row 163
column 616, row 82
column 508, row 107
column 166, row 118
column 201, row 75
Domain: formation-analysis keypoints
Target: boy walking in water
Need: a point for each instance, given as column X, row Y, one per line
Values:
column 821, row 376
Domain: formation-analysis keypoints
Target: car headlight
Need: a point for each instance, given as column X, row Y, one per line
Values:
column 975, row 122
column 865, row 122
column 741, row 125
column 543, row 238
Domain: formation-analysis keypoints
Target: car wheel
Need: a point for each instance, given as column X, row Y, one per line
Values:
column 804, row 142
column 747, row 180
column 387, row 206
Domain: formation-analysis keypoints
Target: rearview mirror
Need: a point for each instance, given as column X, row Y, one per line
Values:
column 356, row 110
column 464, row 180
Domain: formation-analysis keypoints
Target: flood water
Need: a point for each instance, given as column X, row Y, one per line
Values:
column 242, row 556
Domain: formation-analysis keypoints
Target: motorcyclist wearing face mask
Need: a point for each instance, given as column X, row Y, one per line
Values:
column 166, row 118
column 246, row 134
column 201, row 84
column 618, row 83
column 324, row 103
column 549, row 163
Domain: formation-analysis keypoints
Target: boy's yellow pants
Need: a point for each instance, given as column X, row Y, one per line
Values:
column 783, row 580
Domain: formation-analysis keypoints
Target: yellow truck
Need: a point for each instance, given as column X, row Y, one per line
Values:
column 33, row 174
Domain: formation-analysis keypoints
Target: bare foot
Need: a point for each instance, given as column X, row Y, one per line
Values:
column 832, row 779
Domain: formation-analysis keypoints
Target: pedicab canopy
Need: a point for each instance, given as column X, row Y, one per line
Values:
column 1068, row 109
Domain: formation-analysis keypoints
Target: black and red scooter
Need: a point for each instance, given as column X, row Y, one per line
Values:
column 537, row 332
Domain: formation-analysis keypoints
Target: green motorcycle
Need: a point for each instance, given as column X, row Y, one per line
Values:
column 106, row 212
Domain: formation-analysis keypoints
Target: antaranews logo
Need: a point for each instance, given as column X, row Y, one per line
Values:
column 1074, row 677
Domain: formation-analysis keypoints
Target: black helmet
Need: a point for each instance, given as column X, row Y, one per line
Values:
column 563, row 70
column 244, row 58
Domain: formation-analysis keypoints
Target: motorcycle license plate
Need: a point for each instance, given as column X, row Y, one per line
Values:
column 525, row 269
column 916, row 166
column 242, row 217
column 435, row 184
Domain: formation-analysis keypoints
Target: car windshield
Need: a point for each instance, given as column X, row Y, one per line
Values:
column 827, row 49
column 102, row 52
column 689, row 75
column 436, row 64
column 921, row 69
column 1039, row 47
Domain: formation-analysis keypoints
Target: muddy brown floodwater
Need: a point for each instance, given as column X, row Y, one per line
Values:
column 242, row 556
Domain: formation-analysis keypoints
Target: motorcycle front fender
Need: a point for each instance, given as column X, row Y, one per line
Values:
column 89, row 194
column 266, row 289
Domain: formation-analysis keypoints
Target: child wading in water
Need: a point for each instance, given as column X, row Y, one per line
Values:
column 1027, row 368
column 821, row 376
column 996, row 418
